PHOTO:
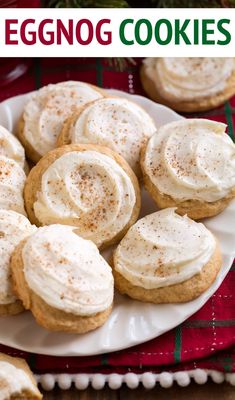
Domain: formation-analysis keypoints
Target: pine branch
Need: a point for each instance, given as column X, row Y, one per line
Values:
column 154, row 3
column 120, row 64
column 192, row 3
column 88, row 3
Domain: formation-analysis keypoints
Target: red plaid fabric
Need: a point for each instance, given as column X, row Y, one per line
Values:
column 207, row 339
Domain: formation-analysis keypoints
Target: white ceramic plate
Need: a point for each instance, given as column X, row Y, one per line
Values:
column 131, row 322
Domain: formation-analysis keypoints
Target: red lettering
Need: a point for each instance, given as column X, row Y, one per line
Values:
column 23, row 36
column 90, row 31
column 67, row 32
column 9, row 31
column 98, row 32
column 41, row 33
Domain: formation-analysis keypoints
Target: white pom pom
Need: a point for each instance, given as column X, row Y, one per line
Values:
column 64, row 381
column 148, row 380
column 115, row 381
column 231, row 379
column 98, row 381
column 131, row 380
column 217, row 377
column 200, row 376
column 81, row 381
column 47, row 381
column 166, row 379
column 182, row 378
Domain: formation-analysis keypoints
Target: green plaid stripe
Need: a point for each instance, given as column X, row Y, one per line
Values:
column 37, row 73
column 178, row 344
column 104, row 360
column 99, row 72
column 207, row 324
column 227, row 364
column 32, row 360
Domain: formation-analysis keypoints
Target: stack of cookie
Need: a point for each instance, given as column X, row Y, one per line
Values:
column 93, row 152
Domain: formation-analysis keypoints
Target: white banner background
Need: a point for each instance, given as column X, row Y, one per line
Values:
column 116, row 48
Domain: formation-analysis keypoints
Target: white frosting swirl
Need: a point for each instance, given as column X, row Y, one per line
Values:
column 192, row 159
column 116, row 123
column 11, row 147
column 14, row 227
column 89, row 190
column 163, row 249
column 188, row 78
column 49, row 107
column 12, row 180
column 66, row 271
column 13, row 381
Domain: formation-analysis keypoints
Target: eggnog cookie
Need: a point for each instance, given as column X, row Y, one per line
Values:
column 190, row 164
column 189, row 84
column 87, row 186
column 46, row 111
column 13, row 228
column 12, row 180
column 10, row 147
column 166, row 258
column 115, row 122
column 16, row 380
column 63, row 280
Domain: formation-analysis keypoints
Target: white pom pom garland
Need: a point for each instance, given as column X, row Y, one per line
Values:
column 200, row 376
column 47, row 381
column 132, row 380
column 166, row 379
column 98, row 381
column 115, row 381
column 64, row 381
column 148, row 379
column 81, row 381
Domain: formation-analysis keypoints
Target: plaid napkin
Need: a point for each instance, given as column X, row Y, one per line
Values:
column 207, row 339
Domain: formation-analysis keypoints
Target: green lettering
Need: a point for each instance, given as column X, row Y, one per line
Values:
column 206, row 31
column 149, row 31
column 122, row 32
column 180, row 31
column 196, row 32
column 224, row 31
column 158, row 25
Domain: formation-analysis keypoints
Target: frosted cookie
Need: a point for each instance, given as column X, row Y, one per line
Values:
column 46, row 111
column 166, row 258
column 11, row 147
column 190, row 164
column 16, row 380
column 87, row 186
column 13, row 228
column 189, row 84
column 63, row 280
column 12, row 180
column 117, row 123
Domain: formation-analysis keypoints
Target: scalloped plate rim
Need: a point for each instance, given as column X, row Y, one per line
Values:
column 81, row 345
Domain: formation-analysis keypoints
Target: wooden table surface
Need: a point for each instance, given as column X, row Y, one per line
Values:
column 192, row 392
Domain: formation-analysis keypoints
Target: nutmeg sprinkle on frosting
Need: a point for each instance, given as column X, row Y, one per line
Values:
column 48, row 108
column 163, row 249
column 66, row 271
column 89, row 190
column 189, row 78
column 191, row 159
column 12, row 180
column 14, row 227
column 116, row 123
